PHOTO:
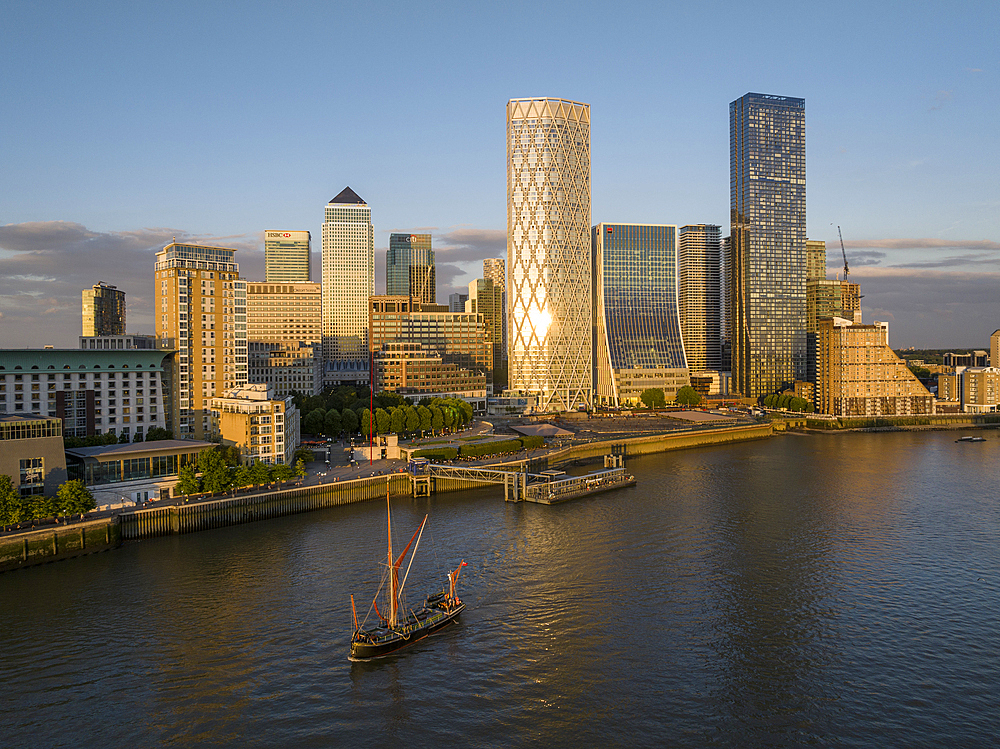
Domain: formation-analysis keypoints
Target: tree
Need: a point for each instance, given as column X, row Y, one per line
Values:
column 242, row 477
column 189, row 482
column 314, row 421
column 158, row 433
column 654, row 397
column 138, row 437
column 688, row 396
column 437, row 419
column 40, row 506
column 215, row 476
column 333, row 423
column 300, row 468
column 259, row 473
column 305, row 455
column 74, row 498
column 10, row 501
column 281, row 472
column 366, row 420
column 230, row 454
column 123, row 438
column 412, row 420
column 389, row 400
column 350, row 421
column 465, row 408
column 397, row 420
column 383, row 422
column 448, row 414
column 425, row 418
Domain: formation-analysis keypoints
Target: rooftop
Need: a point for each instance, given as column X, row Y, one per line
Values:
column 104, row 451
column 347, row 195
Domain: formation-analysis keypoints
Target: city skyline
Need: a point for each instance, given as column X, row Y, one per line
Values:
column 897, row 146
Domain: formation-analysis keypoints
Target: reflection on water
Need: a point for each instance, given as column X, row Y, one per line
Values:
column 808, row 589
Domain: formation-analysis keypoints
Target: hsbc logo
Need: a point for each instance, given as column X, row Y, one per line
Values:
column 278, row 235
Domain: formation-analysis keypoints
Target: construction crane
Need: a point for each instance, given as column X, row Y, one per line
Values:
column 843, row 252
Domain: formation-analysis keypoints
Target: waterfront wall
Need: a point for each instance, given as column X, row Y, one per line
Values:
column 658, row 443
column 58, row 542
column 218, row 513
column 933, row 421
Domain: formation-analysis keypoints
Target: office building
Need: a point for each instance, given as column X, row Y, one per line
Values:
column 139, row 472
column 415, row 369
column 486, row 299
column 201, row 303
column 459, row 338
column 348, row 279
column 287, row 256
column 995, row 349
column 287, row 366
column 409, row 267
column 815, row 259
column 859, row 375
column 768, row 246
column 495, row 270
column 125, row 392
column 284, row 312
column 263, row 426
column 550, row 337
column 637, row 341
column 456, row 302
column 726, row 326
column 103, row 310
column 31, row 453
column 699, row 262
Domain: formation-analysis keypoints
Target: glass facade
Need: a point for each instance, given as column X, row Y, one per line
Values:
column 636, row 317
column 103, row 310
column 768, row 242
column 409, row 267
column 700, row 295
column 348, row 277
column 548, row 251
column 286, row 255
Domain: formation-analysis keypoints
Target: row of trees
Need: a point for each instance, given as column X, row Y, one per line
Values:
column 154, row 434
column 790, row 401
column 73, row 498
column 655, row 397
column 220, row 474
column 433, row 416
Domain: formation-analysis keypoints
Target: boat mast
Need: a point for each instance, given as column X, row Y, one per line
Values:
column 392, row 570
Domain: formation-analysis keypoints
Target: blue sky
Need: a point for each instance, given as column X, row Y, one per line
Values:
column 128, row 123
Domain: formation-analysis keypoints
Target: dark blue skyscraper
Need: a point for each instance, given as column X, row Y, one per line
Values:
column 637, row 336
column 767, row 262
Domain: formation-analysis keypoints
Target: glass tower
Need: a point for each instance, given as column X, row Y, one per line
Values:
column 548, row 251
column 409, row 267
column 637, row 341
column 348, row 277
column 286, row 255
column 700, row 295
column 767, row 266
column 103, row 310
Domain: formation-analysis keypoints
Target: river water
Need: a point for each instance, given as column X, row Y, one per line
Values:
column 835, row 590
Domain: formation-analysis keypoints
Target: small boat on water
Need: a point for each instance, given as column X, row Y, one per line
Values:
column 400, row 626
column 971, row 439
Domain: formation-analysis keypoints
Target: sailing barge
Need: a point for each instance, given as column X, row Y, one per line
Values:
column 399, row 627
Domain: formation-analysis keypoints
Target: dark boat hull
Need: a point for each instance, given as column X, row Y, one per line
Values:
column 381, row 643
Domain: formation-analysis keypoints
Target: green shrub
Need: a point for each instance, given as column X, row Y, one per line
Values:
column 437, row 453
column 532, row 441
column 489, row 448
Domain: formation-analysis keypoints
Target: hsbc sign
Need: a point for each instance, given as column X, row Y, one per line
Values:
column 299, row 236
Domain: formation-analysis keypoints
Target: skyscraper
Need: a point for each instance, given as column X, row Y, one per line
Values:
column 700, row 295
column 548, row 251
column 286, row 255
column 103, row 309
column 768, row 262
column 486, row 299
column 348, row 277
column 409, row 267
column 495, row 270
column 815, row 259
column 637, row 344
column 201, row 303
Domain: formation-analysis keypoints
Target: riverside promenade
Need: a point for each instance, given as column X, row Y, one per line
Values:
column 326, row 485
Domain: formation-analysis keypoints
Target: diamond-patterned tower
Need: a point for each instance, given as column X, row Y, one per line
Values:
column 550, row 335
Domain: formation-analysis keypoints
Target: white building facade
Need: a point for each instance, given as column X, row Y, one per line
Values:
column 550, row 336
